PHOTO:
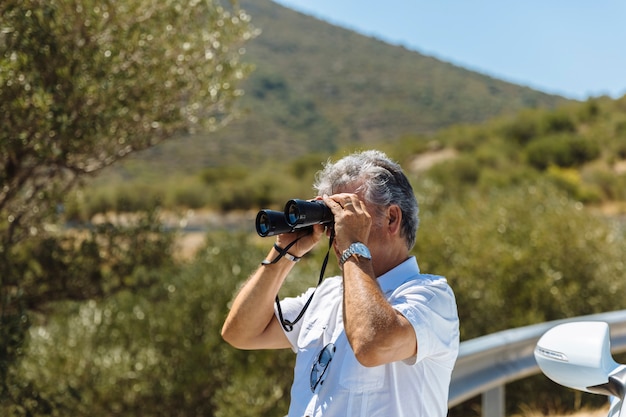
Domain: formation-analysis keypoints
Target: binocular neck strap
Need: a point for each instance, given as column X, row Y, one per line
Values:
column 287, row 324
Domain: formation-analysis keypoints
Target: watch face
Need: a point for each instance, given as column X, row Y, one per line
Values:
column 361, row 250
column 356, row 248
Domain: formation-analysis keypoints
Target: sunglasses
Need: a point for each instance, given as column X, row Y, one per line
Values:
column 320, row 365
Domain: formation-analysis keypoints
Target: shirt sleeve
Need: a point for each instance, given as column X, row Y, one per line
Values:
column 430, row 306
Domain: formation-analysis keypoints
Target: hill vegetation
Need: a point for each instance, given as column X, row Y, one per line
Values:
column 318, row 88
column 580, row 148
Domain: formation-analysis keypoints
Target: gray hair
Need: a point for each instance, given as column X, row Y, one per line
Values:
column 383, row 184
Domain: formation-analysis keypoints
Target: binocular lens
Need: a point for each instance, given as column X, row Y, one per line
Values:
column 263, row 223
column 292, row 213
column 271, row 222
column 307, row 213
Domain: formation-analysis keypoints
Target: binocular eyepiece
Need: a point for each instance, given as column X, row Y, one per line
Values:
column 298, row 214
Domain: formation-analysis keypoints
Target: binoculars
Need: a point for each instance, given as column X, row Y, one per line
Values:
column 298, row 214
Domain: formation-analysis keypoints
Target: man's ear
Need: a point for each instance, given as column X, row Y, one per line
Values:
column 394, row 219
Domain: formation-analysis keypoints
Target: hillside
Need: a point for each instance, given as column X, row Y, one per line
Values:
column 318, row 87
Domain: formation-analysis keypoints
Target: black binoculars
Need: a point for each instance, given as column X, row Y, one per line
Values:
column 298, row 214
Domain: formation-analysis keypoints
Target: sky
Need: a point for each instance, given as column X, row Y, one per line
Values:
column 574, row 48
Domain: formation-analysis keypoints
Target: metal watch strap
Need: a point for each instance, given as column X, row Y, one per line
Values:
column 357, row 248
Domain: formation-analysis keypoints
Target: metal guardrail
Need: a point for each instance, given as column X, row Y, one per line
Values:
column 486, row 364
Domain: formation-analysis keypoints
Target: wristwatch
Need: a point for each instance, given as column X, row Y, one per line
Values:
column 357, row 248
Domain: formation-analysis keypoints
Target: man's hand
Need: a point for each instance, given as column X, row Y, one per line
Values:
column 352, row 219
column 307, row 240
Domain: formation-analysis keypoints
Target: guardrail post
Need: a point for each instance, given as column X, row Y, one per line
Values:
column 493, row 402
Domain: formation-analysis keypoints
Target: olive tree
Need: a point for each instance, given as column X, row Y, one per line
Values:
column 83, row 84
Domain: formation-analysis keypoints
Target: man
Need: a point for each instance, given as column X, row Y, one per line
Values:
column 380, row 340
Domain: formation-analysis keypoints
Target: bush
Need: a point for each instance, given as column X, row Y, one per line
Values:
column 611, row 184
column 499, row 177
column 570, row 181
column 558, row 121
column 561, row 150
column 520, row 256
column 158, row 351
column 523, row 256
column 191, row 194
column 523, row 128
column 456, row 174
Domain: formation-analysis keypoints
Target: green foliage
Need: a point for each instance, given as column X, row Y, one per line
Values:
column 78, row 265
column 82, row 264
column 464, row 170
column 504, row 152
column 14, row 324
column 271, row 185
column 85, row 83
column 522, row 256
column 230, row 173
column 558, row 121
column 561, row 150
column 306, row 166
column 611, row 186
column 532, row 123
column 283, row 106
column 570, row 181
column 158, row 352
column 523, row 128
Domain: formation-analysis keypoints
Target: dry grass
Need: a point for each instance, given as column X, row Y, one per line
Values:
column 188, row 245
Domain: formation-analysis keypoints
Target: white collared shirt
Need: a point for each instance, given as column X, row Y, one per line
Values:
column 417, row 387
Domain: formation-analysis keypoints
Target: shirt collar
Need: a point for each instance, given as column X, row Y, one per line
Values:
column 397, row 276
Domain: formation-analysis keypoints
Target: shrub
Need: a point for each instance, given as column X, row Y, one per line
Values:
column 456, row 174
column 558, row 121
column 519, row 256
column 523, row 128
column 157, row 351
column 612, row 185
column 561, row 150
column 187, row 194
column 522, row 256
column 570, row 181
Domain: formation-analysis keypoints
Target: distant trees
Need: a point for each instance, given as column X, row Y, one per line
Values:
column 84, row 83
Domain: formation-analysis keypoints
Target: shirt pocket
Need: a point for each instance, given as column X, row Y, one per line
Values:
column 356, row 377
column 312, row 335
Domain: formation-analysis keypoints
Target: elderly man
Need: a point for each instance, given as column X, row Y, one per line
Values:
column 381, row 339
